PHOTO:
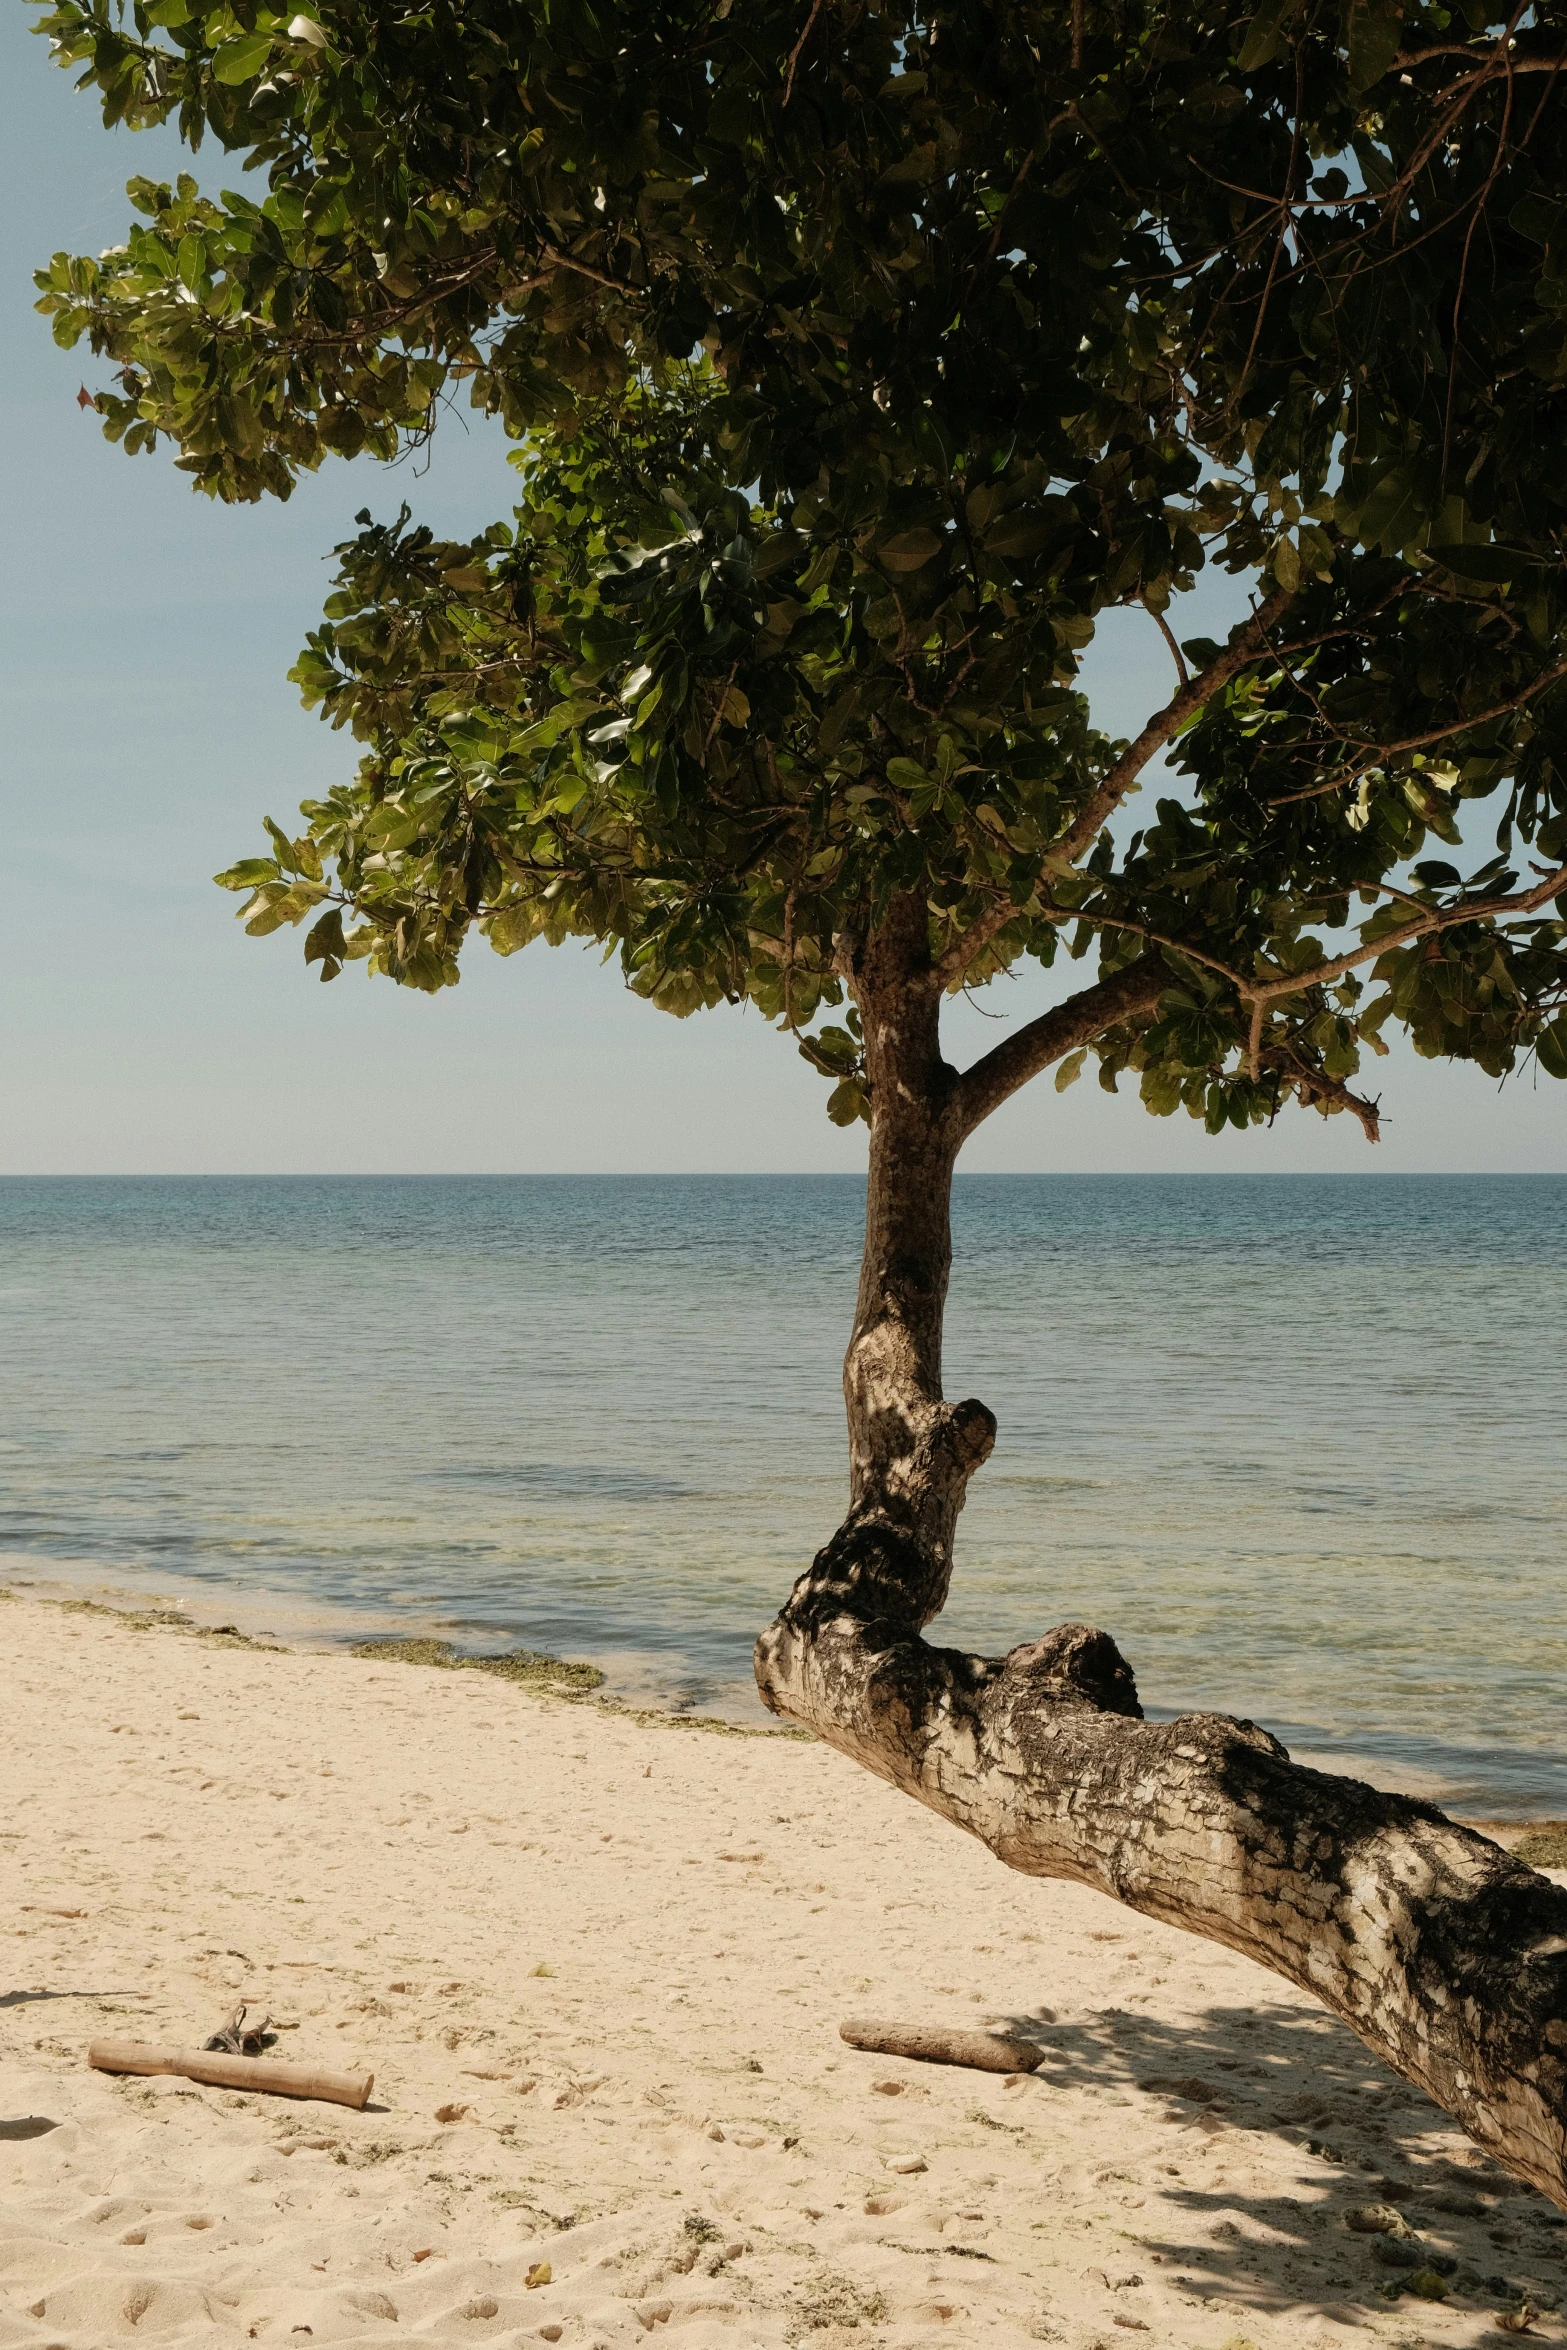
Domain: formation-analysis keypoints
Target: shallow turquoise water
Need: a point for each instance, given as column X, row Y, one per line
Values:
column 1295, row 1442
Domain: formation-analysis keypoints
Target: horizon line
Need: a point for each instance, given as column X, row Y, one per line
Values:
column 781, row 1175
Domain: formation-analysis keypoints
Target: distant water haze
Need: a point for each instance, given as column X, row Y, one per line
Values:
column 1295, row 1442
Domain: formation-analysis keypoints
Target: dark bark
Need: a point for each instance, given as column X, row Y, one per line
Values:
column 1129, row 995
column 1448, row 1957
column 910, row 1453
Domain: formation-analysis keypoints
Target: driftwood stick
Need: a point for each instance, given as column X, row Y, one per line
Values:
column 233, row 2072
column 985, row 2052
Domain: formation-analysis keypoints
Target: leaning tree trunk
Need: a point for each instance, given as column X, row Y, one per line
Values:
column 1445, row 1955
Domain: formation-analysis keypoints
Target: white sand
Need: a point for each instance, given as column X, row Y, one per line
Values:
column 623, row 1949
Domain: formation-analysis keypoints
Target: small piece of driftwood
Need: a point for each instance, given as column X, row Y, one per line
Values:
column 237, row 2038
column 233, row 2072
column 985, row 2052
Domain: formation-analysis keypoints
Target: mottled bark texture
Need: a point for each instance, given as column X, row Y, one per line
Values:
column 1444, row 1954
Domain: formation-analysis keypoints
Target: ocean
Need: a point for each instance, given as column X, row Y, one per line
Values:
column 1295, row 1442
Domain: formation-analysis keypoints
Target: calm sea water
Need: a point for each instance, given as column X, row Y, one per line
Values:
column 1296, row 1443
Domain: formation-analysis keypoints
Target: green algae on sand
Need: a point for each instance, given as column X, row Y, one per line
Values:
column 553, row 1676
column 528, row 1666
column 1545, row 1846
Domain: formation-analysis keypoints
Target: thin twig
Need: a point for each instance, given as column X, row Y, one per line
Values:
column 794, row 54
column 1475, row 218
column 1286, row 224
column 569, row 261
column 1382, row 752
column 718, row 712
column 1179, row 658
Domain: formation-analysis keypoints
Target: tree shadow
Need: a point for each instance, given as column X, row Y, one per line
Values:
column 1230, row 2090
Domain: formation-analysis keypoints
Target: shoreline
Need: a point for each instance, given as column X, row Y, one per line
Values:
column 597, row 1969
column 639, row 1681
column 307, row 1625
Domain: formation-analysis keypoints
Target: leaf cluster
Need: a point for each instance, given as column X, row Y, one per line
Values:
column 860, row 357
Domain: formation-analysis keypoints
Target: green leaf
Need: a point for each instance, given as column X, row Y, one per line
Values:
column 325, row 943
column 1375, row 35
column 288, row 851
column 1160, row 1089
column 241, row 60
column 833, row 1051
column 1021, row 534
column 1071, row 1069
column 1395, row 512
column 837, row 720
column 268, row 911
column 1551, row 1046
column 1538, row 217
column 1494, row 565
column 248, row 873
column 911, row 550
column 1545, row 349
column 1265, row 35
column 515, row 926
column 848, row 1102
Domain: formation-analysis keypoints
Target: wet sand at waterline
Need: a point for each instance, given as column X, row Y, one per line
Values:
column 597, row 1962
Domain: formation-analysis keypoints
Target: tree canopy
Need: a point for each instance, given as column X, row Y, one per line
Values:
column 859, row 355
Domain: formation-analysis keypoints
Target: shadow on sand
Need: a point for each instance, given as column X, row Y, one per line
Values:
column 1243, row 2086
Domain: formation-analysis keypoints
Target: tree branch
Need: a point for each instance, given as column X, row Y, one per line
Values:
column 1428, row 924
column 1382, row 752
column 1127, row 995
column 1244, row 646
column 1258, row 990
column 1011, row 1064
column 1447, row 1956
column 794, row 54
column 1315, row 1085
column 949, row 968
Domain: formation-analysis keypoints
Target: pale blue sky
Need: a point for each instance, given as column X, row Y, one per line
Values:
column 148, row 726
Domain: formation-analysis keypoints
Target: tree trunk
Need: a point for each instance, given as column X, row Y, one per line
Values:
column 1444, row 1954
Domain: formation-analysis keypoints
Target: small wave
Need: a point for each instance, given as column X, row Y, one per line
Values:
column 557, row 1482
column 1023, row 1484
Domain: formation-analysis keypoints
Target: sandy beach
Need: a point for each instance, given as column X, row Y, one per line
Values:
column 597, row 1963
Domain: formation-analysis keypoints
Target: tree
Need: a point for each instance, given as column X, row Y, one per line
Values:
column 859, row 354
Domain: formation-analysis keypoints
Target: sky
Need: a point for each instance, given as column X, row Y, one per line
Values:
column 148, row 725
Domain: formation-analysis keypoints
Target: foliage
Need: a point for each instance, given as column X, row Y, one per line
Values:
column 860, row 355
